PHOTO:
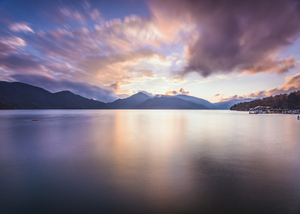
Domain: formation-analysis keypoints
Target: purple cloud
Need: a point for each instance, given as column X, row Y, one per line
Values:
column 6, row 49
column 19, row 62
column 234, row 35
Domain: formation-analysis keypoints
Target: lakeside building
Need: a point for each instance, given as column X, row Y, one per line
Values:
column 270, row 110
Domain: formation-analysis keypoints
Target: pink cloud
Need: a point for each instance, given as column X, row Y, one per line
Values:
column 175, row 92
column 11, row 44
column 291, row 84
column 13, row 41
column 279, row 66
column 17, row 27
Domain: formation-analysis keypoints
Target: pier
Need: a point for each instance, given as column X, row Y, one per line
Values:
column 270, row 110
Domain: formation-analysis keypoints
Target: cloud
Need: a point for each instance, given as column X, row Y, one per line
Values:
column 116, row 86
column 54, row 85
column 19, row 62
column 175, row 92
column 10, row 44
column 102, row 53
column 291, row 84
column 6, row 49
column 13, row 41
column 95, row 15
column 75, row 43
column 17, row 27
column 73, row 15
column 146, row 92
column 279, row 66
column 234, row 35
column 113, row 51
column 97, row 63
column 106, row 37
column 182, row 91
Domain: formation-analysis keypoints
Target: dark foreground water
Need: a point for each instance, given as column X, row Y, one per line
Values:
column 148, row 161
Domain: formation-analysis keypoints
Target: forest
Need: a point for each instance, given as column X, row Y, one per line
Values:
column 282, row 101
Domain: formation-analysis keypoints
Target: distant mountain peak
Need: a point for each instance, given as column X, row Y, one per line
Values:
column 168, row 102
column 64, row 92
column 130, row 102
column 143, row 93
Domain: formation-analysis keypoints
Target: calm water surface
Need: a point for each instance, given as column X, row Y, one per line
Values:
column 148, row 161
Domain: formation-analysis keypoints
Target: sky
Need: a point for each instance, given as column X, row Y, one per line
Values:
column 217, row 50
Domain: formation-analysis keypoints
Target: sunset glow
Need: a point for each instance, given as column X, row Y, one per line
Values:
column 107, row 50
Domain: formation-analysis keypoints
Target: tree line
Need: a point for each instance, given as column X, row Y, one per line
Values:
column 282, row 101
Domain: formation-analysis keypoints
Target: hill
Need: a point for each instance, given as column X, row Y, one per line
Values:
column 282, row 101
column 129, row 102
column 168, row 103
column 19, row 95
column 5, row 106
column 197, row 100
column 137, row 101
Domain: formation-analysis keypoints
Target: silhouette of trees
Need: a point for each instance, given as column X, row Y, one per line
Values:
column 282, row 101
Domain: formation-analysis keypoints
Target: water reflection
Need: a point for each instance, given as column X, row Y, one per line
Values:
column 149, row 161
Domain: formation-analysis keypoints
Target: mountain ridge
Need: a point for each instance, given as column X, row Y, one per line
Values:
column 168, row 103
column 129, row 102
column 24, row 96
column 17, row 95
column 196, row 100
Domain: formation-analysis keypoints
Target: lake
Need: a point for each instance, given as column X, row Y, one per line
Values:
column 148, row 161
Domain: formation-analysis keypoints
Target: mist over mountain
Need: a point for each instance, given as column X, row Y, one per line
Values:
column 17, row 95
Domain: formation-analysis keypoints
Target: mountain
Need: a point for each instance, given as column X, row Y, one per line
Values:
column 67, row 99
column 220, row 105
column 168, row 103
column 196, row 100
column 23, row 96
column 5, row 106
column 282, row 101
column 129, row 102
column 227, row 104
column 17, row 95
